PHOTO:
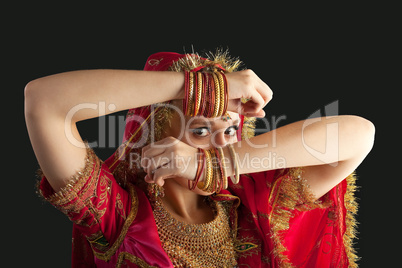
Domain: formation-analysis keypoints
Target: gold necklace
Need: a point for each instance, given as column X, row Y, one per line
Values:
column 196, row 245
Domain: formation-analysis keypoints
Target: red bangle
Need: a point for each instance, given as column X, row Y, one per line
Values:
column 200, row 169
column 194, row 112
column 203, row 94
column 194, row 99
column 211, row 95
column 186, row 87
column 225, row 82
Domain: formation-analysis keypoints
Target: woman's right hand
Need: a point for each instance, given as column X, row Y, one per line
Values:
column 246, row 84
column 169, row 158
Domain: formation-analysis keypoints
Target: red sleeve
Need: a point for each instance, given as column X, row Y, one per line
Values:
column 280, row 219
column 94, row 201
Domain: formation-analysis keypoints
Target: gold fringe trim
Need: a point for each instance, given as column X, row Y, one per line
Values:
column 86, row 175
column 105, row 256
column 291, row 192
column 133, row 259
column 248, row 130
column 211, row 61
column 351, row 223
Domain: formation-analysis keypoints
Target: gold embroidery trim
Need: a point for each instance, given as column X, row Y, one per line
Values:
column 288, row 198
column 130, row 218
column 351, row 223
column 243, row 247
column 77, row 181
column 236, row 204
column 133, row 259
column 289, row 192
column 128, row 142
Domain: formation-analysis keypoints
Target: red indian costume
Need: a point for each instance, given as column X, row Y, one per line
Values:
column 269, row 219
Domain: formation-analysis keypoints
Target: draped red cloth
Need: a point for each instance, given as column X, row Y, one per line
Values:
column 277, row 223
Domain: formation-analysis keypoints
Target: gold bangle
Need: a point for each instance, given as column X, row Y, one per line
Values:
column 222, row 93
column 222, row 159
column 190, row 104
column 214, row 186
column 217, row 95
column 199, row 93
column 235, row 164
column 208, row 173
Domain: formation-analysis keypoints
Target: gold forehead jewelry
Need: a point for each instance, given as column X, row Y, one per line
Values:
column 226, row 117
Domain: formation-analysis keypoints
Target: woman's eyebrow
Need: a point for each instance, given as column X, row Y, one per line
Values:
column 202, row 122
column 212, row 123
column 236, row 122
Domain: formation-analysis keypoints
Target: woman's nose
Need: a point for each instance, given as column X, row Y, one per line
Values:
column 219, row 140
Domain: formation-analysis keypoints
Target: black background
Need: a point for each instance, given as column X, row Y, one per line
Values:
column 310, row 55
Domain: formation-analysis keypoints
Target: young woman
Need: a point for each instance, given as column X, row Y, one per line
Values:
column 190, row 186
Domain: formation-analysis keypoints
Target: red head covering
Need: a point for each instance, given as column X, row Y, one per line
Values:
column 161, row 61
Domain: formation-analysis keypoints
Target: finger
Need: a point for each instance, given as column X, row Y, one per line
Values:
column 235, row 105
column 247, row 109
column 157, row 162
column 257, row 102
column 265, row 91
column 150, row 152
column 162, row 174
column 251, row 112
column 158, row 147
column 251, row 106
column 148, row 155
column 260, row 114
column 148, row 179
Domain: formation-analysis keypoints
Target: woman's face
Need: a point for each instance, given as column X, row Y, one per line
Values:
column 203, row 132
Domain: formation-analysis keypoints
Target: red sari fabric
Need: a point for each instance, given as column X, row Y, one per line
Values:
column 114, row 227
column 277, row 222
column 280, row 226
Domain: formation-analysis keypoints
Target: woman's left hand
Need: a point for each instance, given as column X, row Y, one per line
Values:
column 169, row 158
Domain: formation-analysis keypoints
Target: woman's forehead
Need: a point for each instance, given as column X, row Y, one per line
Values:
column 230, row 118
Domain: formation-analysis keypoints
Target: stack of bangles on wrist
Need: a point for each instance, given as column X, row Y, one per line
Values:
column 213, row 163
column 206, row 94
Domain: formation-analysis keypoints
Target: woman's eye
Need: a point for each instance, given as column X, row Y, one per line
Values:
column 201, row 131
column 231, row 131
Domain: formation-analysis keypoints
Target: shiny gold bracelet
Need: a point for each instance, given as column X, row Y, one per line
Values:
column 223, row 164
column 206, row 184
column 190, row 105
column 214, row 186
column 217, row 95
column 233, row 154
column 198, row 93
column 222, row 94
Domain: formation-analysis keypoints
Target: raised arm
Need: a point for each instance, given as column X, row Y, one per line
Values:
column 55, row 103
column 329, row 149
